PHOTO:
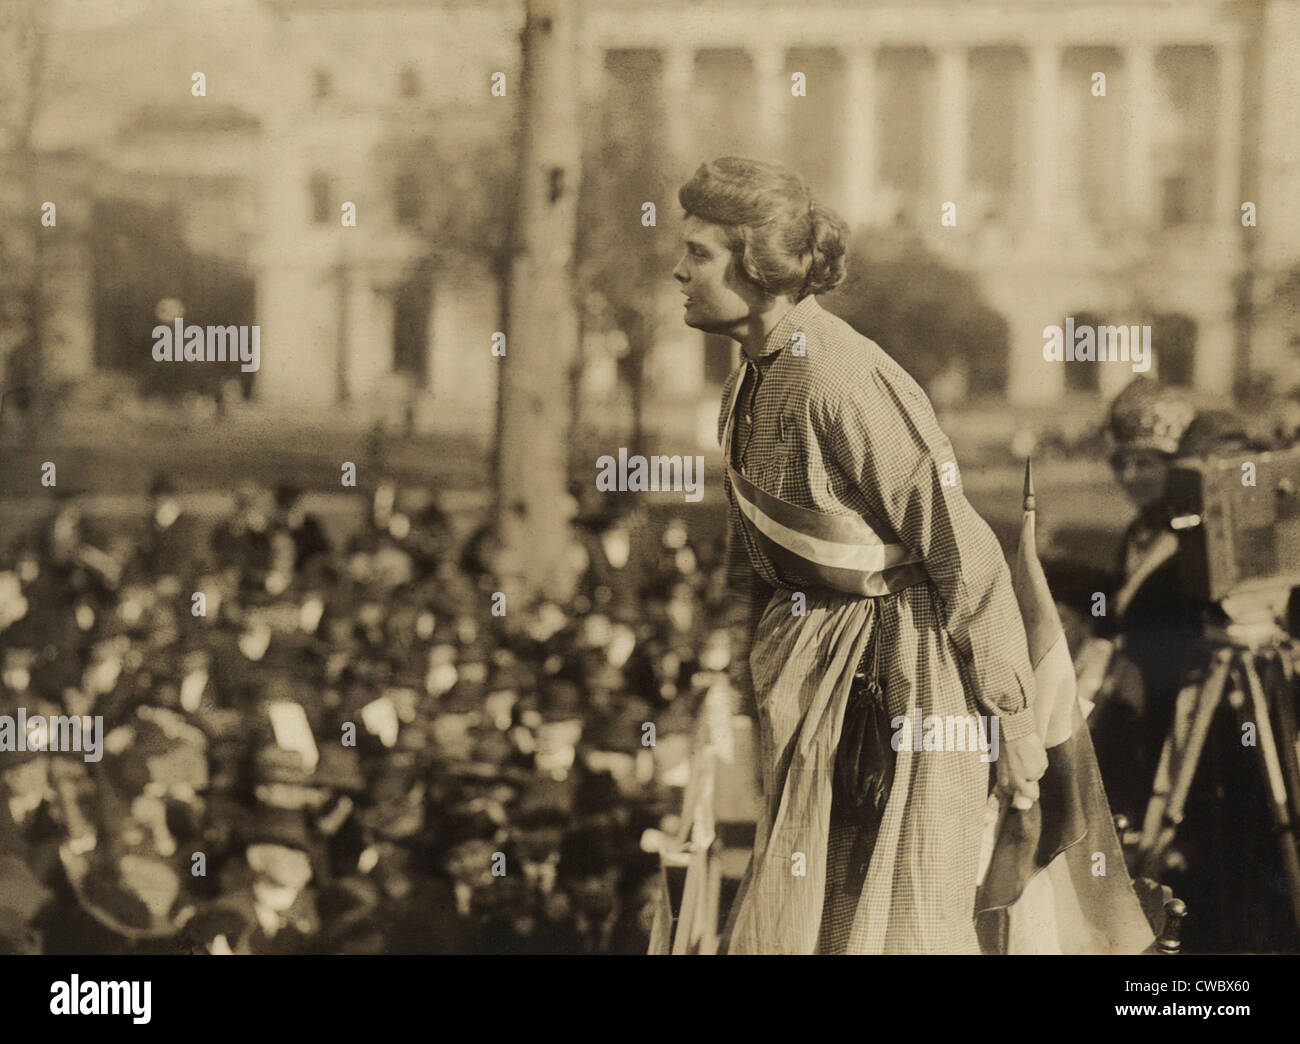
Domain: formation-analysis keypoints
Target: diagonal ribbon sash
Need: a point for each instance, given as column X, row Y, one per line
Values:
column 842, row 552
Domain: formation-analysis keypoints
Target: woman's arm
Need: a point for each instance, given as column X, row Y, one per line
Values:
column 886, row 441
column 747, row 596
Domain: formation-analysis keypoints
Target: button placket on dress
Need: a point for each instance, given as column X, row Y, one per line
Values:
column 752, row 378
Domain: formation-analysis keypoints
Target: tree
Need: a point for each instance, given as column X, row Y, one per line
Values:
column 24, row 26
column 920, row 311
column 470, row 186
column 535, row 544
column 621, row 259
column 454, row 172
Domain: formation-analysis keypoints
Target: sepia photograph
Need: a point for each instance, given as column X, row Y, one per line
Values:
column 649, row 477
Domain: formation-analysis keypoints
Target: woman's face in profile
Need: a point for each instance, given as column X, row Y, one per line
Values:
column 716, row 300
column 1142, row 473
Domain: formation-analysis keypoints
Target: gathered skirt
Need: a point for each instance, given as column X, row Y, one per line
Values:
column 919, row 893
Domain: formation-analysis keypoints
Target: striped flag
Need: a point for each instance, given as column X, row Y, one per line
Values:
column 692, row 927
column 1055, row 879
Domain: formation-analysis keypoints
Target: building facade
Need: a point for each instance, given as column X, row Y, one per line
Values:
column 1090, row 160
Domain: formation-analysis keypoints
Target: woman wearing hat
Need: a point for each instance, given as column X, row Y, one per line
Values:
column 1146, row 425
column 1159, row 632
column 1151, row 427
column 1147, row 422
column 847, row 524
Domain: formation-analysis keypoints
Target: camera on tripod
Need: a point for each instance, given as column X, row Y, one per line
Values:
column 1237, row 517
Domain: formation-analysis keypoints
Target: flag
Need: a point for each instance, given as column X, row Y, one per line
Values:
column 692, row 926
column 1055, row 879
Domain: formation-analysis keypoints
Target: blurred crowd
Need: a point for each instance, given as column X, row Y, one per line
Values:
column 332, row 745
column 323, row 739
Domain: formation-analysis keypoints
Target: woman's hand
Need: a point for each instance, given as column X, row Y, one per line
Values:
column 1020, row 767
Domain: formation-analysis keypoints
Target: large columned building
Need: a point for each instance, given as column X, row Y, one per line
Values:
column 1092, row 160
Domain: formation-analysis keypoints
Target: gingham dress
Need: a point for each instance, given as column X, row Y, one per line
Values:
column 829, row 422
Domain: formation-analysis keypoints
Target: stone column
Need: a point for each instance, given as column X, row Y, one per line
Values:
column 371, row 337
column 674, row 341
column 591, row 63
column 678, row 74
column 1045, row 137
column 950, row 173
column 1216, row 339
column 771, row 90
column 1275, row 184
column 1225, row 221
column 1139, row 92
column 1030, row 304
column 858, row 174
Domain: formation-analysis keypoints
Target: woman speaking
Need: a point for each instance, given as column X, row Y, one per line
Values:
column 854, row 559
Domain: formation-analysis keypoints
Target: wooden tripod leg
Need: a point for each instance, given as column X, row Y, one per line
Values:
column 709, row 938
column 687, row 921
column 1271, row 768
column 661, row 930
column 1170, row 757
column 1165, row 811
column 1286, row 725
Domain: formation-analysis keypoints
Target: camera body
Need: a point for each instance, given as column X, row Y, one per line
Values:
column 1237, row 516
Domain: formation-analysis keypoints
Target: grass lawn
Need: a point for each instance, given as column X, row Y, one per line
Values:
column 110, row 460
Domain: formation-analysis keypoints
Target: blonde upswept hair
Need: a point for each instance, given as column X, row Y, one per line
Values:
column 782, row 239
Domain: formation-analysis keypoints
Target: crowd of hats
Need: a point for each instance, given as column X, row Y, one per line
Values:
column 328, row 743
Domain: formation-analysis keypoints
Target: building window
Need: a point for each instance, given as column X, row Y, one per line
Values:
column 1173, row 343
column 409, row 82
column 411, row 308
column 1096, row 125
column 322, row 209
column 1082, row 375
column 816, row 145
column 1175, row 204
column 408, row 198
column 720, row 111
column 1186, row 154
column 322, row 83
column 906, row 78
column 999, row 89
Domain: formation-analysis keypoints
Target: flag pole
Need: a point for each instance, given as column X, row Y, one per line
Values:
column 1028, row 532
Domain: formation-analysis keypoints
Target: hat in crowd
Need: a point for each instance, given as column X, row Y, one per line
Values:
column 266, row 825
column 562, row 700
column 1146, row 415
column 588, row 850
column 222, row 917
column 461, row 824
column 286, row 493
column 161, row 485
column 339, row 768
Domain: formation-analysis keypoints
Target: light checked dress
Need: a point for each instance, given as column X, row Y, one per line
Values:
column 844, row 489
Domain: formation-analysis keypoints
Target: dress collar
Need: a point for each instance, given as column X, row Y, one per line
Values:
column 793, row 321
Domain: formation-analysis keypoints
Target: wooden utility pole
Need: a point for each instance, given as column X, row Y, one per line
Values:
column 534, row 550
column 341, row 278
column 23, row 28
